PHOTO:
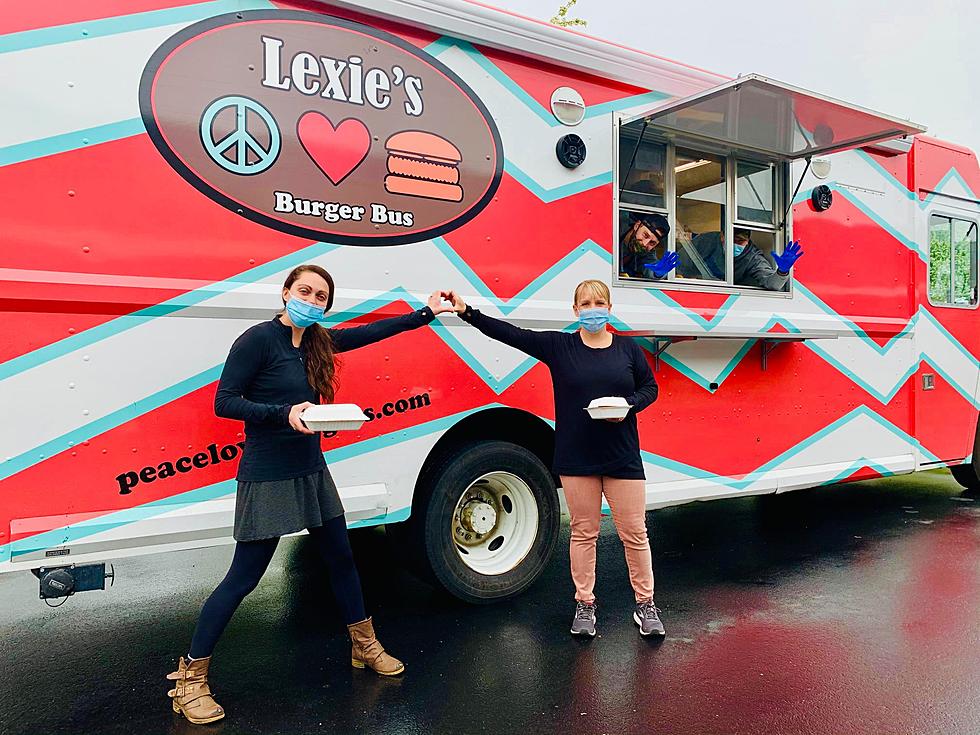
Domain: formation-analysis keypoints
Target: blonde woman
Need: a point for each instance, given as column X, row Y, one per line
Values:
column 593, row 457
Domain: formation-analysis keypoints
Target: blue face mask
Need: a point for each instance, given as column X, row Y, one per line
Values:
column 302, row 313
column 593, row 320
column 739, row 249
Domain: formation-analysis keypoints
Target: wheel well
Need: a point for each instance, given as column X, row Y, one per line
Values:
column 501, row 424
column 976, row 450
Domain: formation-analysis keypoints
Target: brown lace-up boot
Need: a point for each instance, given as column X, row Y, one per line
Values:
column 192, row 696
column 366, row 651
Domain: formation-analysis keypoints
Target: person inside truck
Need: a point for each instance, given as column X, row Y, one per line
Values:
column 594, row 457
column 702, row 256
column 752, row 268
column 643, row 247
column 274, row 372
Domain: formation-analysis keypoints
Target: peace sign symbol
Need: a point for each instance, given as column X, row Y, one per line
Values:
column 249, row 156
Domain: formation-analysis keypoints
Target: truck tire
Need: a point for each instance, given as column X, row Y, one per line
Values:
column 966, row 475
column 484, row 522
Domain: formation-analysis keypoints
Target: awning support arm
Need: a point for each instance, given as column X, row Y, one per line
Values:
column 768, row 345
column 789, row 204
column 661, row 344
column 629, row 169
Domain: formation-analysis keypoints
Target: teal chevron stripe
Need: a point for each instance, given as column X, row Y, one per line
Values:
column 101, row 524
column 925, row 313
column 100, row 27
column 70, row 141
column 394, row 516
column 110, row 421
column 858, row 332
column 498, row 385
column 165, row 308
column 870, row 214
column 706, row 324
column 968, row 394
column 885, row 174
column 899, row 187
column 858, row 465
column 884, row 398
column 753, row 476
column 950, row 175
column 143, row 406
column 65, row 535
column 116, row 326
column 384, row 441
column 445, row 43
column 506, row 306
column 559, row 192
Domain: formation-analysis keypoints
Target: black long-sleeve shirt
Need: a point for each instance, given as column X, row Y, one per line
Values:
column 583, row 445
column 265, row 376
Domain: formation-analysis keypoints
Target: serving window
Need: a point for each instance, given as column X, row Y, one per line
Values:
column 702, row 183
column 717, row 206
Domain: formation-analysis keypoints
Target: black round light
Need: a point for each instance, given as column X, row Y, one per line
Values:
column 822, row 197
column 570, row 150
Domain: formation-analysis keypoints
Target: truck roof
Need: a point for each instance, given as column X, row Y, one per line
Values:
column 495, row 28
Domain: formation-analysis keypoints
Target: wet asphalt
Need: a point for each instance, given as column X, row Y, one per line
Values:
column 847, row 609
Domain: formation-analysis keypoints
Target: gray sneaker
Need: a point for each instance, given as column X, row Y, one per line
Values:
column 647, row 617
column 584, row 621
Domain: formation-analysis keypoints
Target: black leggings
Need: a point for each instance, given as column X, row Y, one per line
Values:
column 249, row 564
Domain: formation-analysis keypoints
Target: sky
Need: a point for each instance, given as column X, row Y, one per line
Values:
column 913, row 60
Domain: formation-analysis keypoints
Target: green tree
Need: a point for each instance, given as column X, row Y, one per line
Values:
column 561, row 17
column 952, row 240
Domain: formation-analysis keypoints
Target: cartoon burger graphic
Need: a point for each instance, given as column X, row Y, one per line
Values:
column 423, row 165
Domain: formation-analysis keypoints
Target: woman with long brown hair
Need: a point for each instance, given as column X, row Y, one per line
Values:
column 275, row 370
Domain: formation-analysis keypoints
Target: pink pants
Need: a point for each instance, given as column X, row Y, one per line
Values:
column 627, row 502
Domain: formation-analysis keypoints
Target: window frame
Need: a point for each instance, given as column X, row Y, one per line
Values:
column 781, row 172
column 951, row 216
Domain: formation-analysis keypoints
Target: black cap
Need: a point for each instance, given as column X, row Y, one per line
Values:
column 652, row 221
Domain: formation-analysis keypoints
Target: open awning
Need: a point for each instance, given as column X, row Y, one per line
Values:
column 780, row 121
column 664, row 337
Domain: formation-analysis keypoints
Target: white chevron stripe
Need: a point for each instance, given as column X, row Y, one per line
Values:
column 527, row 140
column 860, row 439
column 104, row 75
column 75, row 86
column 190, row 342
column 857, row 439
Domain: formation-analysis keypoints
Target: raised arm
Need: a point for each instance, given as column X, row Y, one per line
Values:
column 245, row 359
column 646, row 385
column 540, row 345
column 354, row 337
column 349, row 339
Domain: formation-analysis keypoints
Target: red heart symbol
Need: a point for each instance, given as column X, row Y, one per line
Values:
column 335, row 150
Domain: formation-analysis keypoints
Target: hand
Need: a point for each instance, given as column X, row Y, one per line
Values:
column 295, row 421
column 437, row 302
column 663, row 266
column 616, row 421
column 791, row 253
column 459, row 306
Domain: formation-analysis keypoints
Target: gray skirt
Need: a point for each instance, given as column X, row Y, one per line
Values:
column 279, row 507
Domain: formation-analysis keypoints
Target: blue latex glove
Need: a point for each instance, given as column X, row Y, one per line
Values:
column 663, row 266
column 791, row 253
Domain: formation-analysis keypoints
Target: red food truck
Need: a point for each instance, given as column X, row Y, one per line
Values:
column 164, row 164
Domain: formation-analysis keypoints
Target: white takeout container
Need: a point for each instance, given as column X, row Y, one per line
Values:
column 609, row 407
column 333, row 417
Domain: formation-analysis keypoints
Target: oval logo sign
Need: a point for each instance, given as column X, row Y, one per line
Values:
column 321, row 127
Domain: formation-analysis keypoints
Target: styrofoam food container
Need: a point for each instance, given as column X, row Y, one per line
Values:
column 333, row 417
column 609, row 407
